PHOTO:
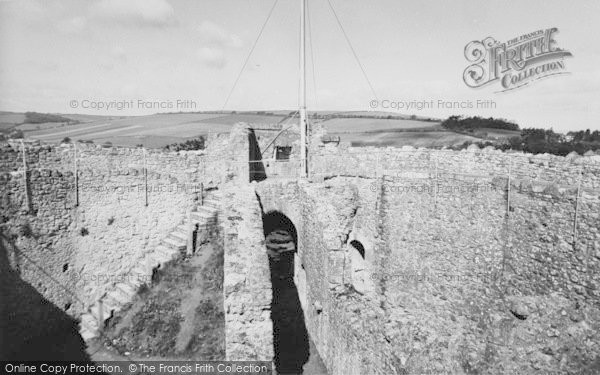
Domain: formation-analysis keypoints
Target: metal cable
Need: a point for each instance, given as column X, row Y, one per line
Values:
column 352, row 49
column 250, row 54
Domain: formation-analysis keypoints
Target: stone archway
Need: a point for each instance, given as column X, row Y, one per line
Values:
column 290, row 336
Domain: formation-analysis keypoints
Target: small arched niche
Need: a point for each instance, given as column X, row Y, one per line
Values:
column 360, row 275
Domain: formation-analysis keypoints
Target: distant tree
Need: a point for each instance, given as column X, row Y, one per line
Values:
column 469, row 124
column 585, row 136
column 66, row 140
column 189, row 145
column 16, row 134
column 39, row 118
column 515, row 143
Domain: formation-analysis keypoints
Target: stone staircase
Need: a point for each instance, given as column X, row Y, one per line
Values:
column 204, row 217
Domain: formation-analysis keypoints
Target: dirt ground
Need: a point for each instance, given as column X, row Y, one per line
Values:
column 179, row 318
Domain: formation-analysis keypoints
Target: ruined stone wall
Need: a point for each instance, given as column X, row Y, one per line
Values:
column 460, row 279
column 328, row 160
column 246, row 288
column 470, row 288
column 35, row 225
column 72, row 238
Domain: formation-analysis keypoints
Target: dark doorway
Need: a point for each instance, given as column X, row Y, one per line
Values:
column 283, row 152
column 257, row 169
column 290, row 337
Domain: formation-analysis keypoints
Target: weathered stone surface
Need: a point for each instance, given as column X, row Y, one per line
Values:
column 249, row 331
column 463, row 282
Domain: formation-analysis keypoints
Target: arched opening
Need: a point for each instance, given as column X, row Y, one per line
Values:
column 359, row 247
column 359, row 275
column 290, row 337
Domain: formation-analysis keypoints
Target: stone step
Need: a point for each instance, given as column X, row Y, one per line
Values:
column 128, row 289
column 87, row 334
column 111, row 303
column 168, row 252
column 183, row 228
column 177, row 239
column 203, row 218
column 106, row 310
column 174, row 243
column 208, row 209
column 207, row 223
column 163, row 256
column 213, row 203
column 152, row 261
column 140, row 274
column 119, row 296
column 214, row 193
column 179, row 234
column 89, row 322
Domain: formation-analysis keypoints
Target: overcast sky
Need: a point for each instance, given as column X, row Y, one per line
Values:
column 53, row 52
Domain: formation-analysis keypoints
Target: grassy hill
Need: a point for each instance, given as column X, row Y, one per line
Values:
column 358, row 127
column 151, row 131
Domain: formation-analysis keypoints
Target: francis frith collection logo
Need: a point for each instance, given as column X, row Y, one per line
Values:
column 515, row 63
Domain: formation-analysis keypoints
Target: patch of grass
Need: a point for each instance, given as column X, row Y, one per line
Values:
column 154, row 329
column 153, row 324
column 208, row 339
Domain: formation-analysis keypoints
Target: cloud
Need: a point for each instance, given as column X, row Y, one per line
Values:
column 118, row 53
column 216, row 41
column 212, row 57
column 73, row 25
column 153, row 13
column 215, row 35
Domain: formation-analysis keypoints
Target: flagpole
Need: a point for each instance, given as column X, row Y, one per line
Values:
column 303, row 123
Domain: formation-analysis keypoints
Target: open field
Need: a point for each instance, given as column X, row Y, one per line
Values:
column 365, row 125
column 8, row 120
column 11, row 118
column 393, row 132
column 151, row 131
column 159, row 130
column 432, row 139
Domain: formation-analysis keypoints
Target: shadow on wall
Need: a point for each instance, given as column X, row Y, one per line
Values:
column 31, row 327
column 257, row 168
column 290, row 337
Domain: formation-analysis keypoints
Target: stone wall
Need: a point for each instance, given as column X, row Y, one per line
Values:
column 329, row 160
column 246, row 288
column 474, row 262
column 460, row 279
column 36, row 222
column 84, row 217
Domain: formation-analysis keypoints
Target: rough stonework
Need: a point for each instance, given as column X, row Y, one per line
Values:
column 405, row 260
column 85, row 216
column 249, row 332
